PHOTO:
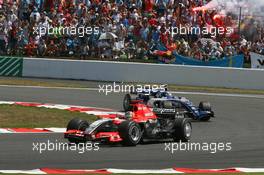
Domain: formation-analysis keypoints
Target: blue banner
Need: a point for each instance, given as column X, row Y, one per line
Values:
column 234, row 61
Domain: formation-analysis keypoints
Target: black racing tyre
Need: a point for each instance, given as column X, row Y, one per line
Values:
column 127, row 102
column 130, row 132
column 77, row 124
column 205, row 106
column 183, row 130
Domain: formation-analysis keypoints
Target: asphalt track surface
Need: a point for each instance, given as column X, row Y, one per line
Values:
column 239, row 121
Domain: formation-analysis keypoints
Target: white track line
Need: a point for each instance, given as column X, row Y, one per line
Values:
column 56, row 106
column 35, row 133
column 47, row 131
column 162, row 171
column 135, row 171
column 174, row 92
column 219, row 94
column 35, row 171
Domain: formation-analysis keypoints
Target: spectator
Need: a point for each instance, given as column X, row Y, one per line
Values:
column 140, row 26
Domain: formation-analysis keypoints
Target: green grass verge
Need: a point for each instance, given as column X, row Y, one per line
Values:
column 15, row 116
column 38, row 82
column 93, row 84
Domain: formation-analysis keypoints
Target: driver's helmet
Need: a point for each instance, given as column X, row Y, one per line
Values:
column 165, row 95
column 169, row 95
column 128, row 114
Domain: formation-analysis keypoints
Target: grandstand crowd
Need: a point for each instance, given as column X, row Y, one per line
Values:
column 136, row 29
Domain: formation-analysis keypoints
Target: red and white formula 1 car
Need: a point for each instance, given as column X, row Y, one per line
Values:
column 137, row 125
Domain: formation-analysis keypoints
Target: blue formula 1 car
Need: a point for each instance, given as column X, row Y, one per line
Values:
column 161, row 100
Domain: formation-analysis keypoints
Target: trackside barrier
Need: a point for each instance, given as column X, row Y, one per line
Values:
column 145, row 73
column 11, row 66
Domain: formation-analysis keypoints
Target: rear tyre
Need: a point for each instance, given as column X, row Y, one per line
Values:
column 127, row 102
column 130, row 132
column 205, row 106
column 183, row 130
column 77, row 124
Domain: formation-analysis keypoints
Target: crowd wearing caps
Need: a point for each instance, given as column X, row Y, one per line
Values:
column 138, row 29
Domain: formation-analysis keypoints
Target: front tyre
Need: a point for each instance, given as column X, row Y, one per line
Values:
column 130, row 132
column 183, row 130
column 77, row 124
column 205, row 106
